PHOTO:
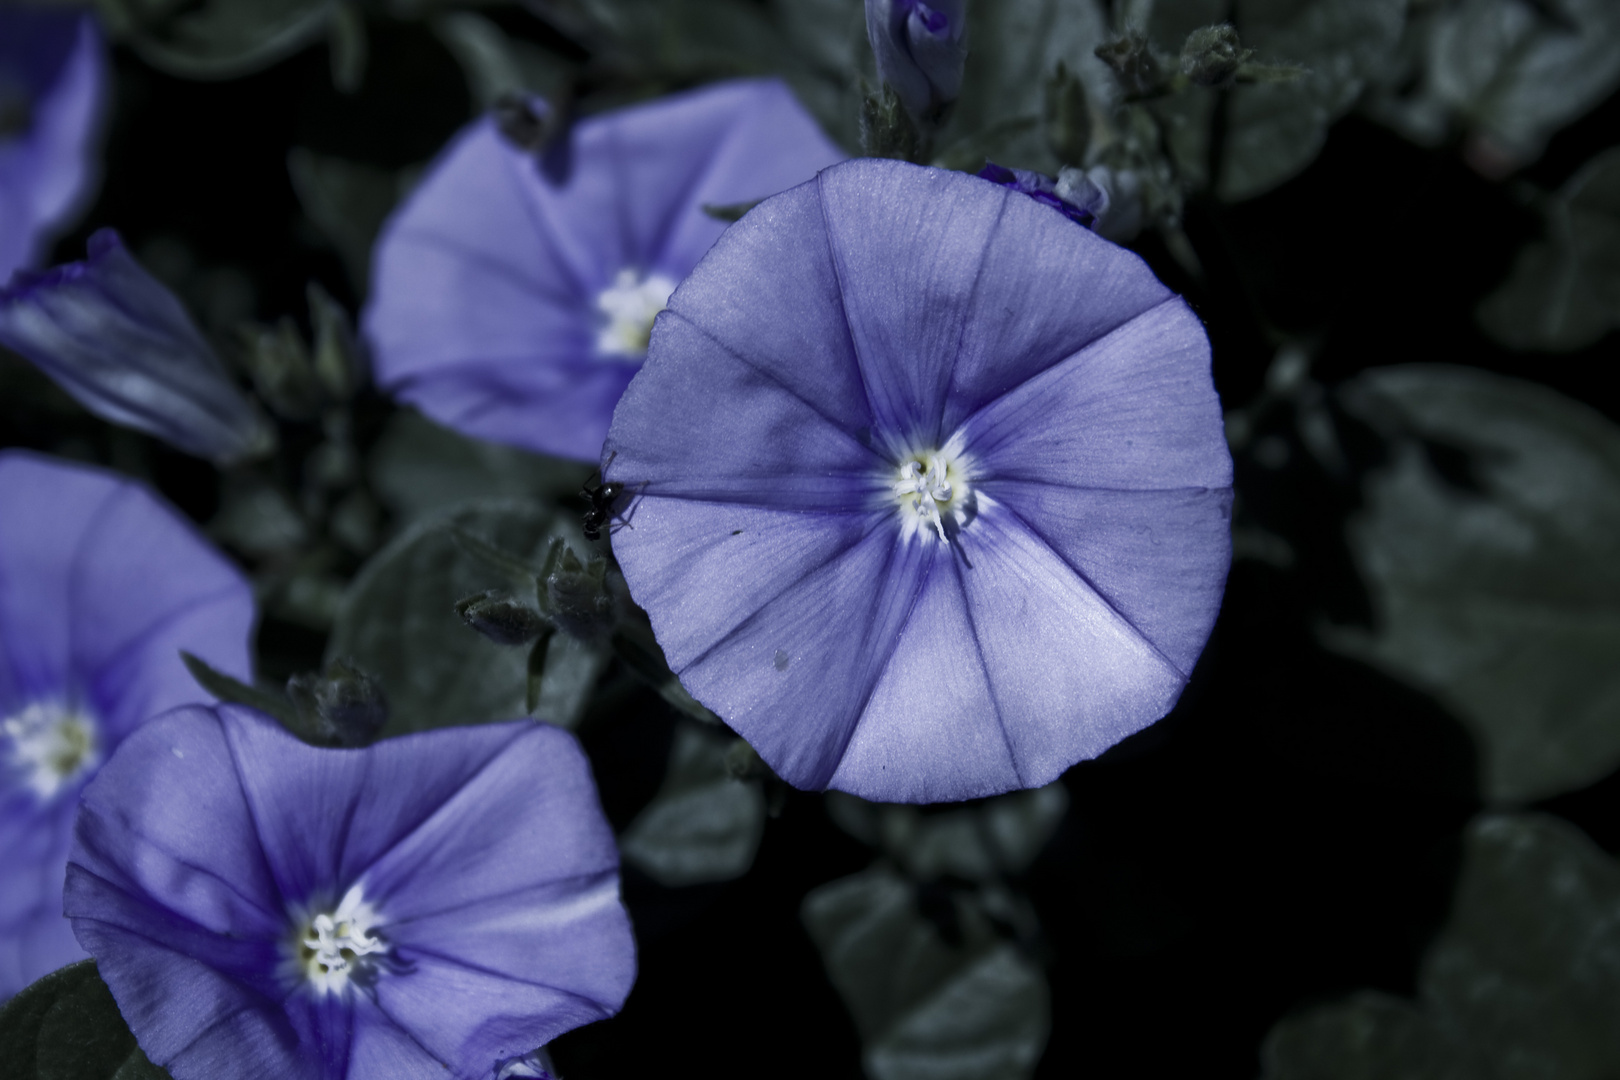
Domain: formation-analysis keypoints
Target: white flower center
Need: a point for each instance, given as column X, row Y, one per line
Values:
column 331, row 947
column 932, row 491
column 52, row 746
column 628, row 307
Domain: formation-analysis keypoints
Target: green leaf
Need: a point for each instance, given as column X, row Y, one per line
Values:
column 496, row 65
column 1497, row 593
column 348, row 201
column 1012, row 49
column 927, row 1009
column 398, row 622
column 703, row 825
column 828, row 61
column 1564, row 291
column 1522, row 981
column 66, row 1026
column 1276, row 129
column 218, row 39
column 1000, row 836
column 1516, row 75
column 236, row 692
column 1369, row 1036
column 420, row 469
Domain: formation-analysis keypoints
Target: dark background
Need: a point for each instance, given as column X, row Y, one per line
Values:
column 1290, row 833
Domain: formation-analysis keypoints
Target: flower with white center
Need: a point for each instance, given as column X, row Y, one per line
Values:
column 101, row 586
column 628, row 308
column 933, row 492
column 931, row 486
column 330, row 947
column 430, row 905
column 51, row 746
column 512, row 301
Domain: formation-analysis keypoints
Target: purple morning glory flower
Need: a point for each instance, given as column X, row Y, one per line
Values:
column 109, row 334
column 926, row 488
column 919, row 50
column 53, row 75
column 516, row 309
column 432, row 905
column 101, row 586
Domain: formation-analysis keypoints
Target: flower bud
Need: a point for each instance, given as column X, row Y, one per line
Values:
column 110, row 335
column 919, row 50
column 345, row 705
column 502, row 618
column 1212, row 55
column 577, row 597
column 1132, row 60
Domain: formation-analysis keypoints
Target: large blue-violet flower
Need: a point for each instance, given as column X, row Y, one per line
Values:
column 919, row 49
column 431, row 906
column 112, row 336
column 516, row 308
column 53, row 76
column 101, row 586
column 925, row 486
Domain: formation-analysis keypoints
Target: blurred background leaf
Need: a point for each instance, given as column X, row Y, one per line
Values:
column 1564, row 291
column 218, row 39
column 704, row 824
column 1488, row 545
column 1521, row 983
column 927, row 1008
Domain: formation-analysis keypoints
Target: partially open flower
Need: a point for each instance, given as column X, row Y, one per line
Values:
column 53, row 74
column 931, row 493
column 112, row 336
column 431, row 905
column 101, row 586
column 920, row 50
column 515, row 308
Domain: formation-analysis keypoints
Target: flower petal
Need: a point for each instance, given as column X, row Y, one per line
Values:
column 710, row 425
column 325, row 817
column 1132, row 411
column 909, row 246
column 539, row 787
column 931, row 731
column 1159, row 558
column 48, row 173
column 794, row 678
column 710, row 566
column 1070, row 676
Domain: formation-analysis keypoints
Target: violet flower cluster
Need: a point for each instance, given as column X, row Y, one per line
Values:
column 515, row 307
column 927, row 493
column 53, row 75
column 101, row 586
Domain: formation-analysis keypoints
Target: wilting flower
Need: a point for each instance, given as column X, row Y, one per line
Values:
column 436, row 904
column 926, row 490
column 515, row 308
column 53, row 74
column 919, row 50
column 101, row 586
column 123, row 345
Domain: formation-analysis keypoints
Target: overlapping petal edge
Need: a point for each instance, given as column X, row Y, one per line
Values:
column 880, row 309
column 482, row 851
column 49, row 171
column 101, row 586
column 486, row 282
